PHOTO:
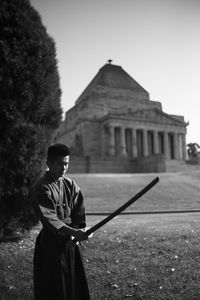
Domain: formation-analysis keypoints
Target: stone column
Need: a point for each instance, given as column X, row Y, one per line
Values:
column 103, row 141
column 155, row 142
column 134, row 143
column 111, row 141
column 166, row 144
column 176, row 146
column 180, row 145
column 122, row 141
column 184, row 147
column 145, row 143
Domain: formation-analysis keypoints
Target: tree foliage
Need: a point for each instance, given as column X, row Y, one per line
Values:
column 30, row 108
column 193, row 149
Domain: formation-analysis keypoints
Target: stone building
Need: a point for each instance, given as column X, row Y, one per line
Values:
column 114, row 120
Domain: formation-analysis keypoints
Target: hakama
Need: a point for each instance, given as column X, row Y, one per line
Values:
column 58, row 266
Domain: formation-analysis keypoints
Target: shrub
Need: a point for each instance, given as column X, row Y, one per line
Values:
column 29, row 106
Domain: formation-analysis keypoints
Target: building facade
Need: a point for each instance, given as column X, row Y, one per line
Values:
column 115, row 118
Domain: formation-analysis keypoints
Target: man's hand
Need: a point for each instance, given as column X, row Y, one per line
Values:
column 91, row 234
column 80, row 235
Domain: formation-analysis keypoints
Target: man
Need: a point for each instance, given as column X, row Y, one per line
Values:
column 58, row 268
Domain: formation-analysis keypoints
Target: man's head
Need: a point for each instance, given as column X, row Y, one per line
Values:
column 58, row 160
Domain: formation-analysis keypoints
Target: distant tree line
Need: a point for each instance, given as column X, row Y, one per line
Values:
column 30, row 109
column 193, row 152
column 193, row 149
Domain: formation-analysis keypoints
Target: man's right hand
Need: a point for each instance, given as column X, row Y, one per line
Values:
column 80, row 235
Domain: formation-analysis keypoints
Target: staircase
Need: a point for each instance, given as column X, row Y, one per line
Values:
column 179, row 166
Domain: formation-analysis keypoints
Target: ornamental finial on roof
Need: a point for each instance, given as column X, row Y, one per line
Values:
column 110, row 61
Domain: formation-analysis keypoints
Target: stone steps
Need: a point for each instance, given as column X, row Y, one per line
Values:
column 179, row 166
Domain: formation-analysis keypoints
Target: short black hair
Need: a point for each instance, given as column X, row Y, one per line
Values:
column 57, row 150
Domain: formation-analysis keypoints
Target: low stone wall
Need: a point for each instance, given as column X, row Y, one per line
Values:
column 150, row 164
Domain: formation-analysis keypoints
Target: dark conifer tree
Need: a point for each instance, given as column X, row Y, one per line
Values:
column 30, row 109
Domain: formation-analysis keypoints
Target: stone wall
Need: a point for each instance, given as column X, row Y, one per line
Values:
column 104, row 101
column 91, row 138
column 67, row 139
column 150, row 164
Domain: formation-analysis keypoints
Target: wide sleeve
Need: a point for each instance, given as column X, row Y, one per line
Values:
column 78, row 211
column 46, row 209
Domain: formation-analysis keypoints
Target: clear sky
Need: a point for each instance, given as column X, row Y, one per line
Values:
column 157, row 42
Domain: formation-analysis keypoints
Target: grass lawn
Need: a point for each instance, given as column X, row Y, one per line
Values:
column 132, row 257
column 146, row 257
column 174, row 191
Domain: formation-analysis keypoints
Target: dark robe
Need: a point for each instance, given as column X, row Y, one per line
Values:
column 58, row 267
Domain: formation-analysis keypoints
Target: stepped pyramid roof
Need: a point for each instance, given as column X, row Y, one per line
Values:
column 112, row 76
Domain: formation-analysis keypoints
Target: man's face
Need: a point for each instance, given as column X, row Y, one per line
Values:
column 59, row 166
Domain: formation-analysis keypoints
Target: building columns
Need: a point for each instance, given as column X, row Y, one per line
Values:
column 145, row 143
column 181, row 146
column 166, row 144
column 134, row 143
column 155, row 142
column 174, row 148
column 184, row 147
column 111, row 141
column 122, row 141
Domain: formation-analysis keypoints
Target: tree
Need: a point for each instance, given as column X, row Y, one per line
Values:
column 192, row 149
column 29, row 106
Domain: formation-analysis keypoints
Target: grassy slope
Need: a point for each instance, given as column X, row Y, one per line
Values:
column 175, row 191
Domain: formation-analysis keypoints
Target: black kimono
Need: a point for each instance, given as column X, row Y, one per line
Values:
column 58, row 268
